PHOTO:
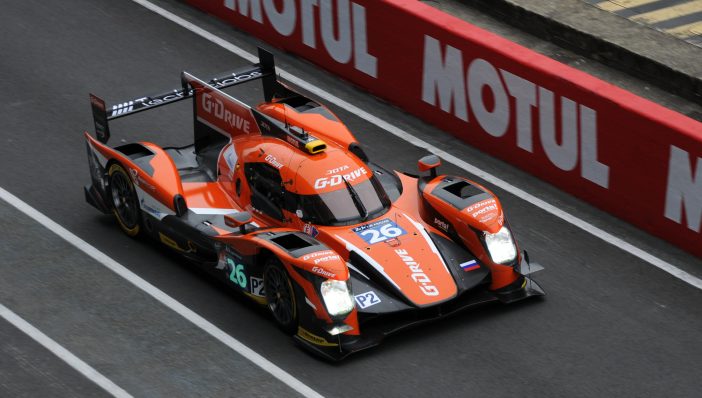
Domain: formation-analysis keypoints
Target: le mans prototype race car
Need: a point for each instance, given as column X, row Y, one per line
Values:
column 281, row 202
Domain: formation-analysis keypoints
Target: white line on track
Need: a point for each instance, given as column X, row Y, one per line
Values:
column 159, row 295
column 396, row 131
column 63, row 354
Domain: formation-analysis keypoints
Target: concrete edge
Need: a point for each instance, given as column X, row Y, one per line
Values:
column 591, row 46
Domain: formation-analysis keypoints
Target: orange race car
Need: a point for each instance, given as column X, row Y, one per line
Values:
column 281, row 202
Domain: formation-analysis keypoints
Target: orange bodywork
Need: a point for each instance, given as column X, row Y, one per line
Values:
column 319, row 161
column 165, row 182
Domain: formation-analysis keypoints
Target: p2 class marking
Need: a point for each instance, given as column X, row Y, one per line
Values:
column 474, row 170
column 367, row 299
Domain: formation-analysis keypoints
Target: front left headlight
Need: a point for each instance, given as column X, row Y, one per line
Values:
column 501, row 246
column 337, row 297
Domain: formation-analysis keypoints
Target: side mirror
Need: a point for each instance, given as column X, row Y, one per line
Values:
column 238, row 220
column 429, row 162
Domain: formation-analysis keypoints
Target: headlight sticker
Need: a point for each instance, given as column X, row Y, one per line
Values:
column 379, row 231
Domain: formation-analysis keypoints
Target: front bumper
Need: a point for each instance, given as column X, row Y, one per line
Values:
column 375, row 328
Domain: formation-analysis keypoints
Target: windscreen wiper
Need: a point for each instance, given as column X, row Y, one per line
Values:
column 356, row 199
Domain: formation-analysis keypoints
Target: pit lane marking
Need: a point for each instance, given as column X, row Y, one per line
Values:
column 157, row 294
column 418, row 142
column 62, row 353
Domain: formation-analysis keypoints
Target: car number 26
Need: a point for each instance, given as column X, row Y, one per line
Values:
column 379, row 231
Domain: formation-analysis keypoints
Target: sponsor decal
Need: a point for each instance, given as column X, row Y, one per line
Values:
column 484, row 210
column 322, row 271
column 273, row 161
column 441, row 224
column 292, row 141
column 146, row 102
column 334, row 180
column 418, row 275
column 215, row 107
column 684, row 190
column 317, row 254
column 257, row 287
column 122, row 108
column 471, row 265
column 367, row 299
column 166, row 240
column 454, row 87
column 379, row 231
column 236, row 272
column 393, row 242
column 324, row 259
column 152, row 211
column 313, row 338
column 337, row 170
column 231, row 158
column 135, row 174
column 139, row 181
column 341, row 28
column 310, row 230
column 233, row 78
column 479, row 205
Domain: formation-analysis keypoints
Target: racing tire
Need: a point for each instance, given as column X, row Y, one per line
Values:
column 280, row 295
column 124, row 200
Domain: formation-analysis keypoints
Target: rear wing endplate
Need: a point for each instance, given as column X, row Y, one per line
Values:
column 264, row 69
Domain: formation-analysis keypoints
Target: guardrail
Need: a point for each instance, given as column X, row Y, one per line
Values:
column 622, row 153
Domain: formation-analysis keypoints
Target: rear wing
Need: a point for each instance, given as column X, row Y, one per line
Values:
column 264, row 70
column 217, row 114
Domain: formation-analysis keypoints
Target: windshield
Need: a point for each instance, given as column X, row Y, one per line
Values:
column 347, row 205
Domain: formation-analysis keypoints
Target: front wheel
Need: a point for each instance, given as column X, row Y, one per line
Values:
column 280, row 295
column 125, row 202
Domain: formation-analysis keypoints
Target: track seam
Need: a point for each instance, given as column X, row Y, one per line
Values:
column 63, row 354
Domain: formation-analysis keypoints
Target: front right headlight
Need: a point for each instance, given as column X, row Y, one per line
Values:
column 501, row 246
column 337, row 297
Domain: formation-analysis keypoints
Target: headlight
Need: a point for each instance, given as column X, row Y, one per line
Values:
column 501, row 246
column 337, row 297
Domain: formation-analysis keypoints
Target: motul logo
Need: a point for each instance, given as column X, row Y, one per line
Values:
column 684, row 189
column 460, row 88
column 343, row 33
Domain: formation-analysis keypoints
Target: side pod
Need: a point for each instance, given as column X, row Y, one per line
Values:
column 152, row 171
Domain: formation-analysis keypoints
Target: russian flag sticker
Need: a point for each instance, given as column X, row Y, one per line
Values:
column 471, row 265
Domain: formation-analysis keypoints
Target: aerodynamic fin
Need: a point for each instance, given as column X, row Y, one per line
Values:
column 102, row 114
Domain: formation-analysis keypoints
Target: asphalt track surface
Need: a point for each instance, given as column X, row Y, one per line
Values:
column 612, row 325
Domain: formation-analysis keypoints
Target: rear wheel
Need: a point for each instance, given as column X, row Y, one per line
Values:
column 280, row 295
column 125, row 202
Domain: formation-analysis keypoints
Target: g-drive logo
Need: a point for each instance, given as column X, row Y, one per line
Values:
column 215, row 107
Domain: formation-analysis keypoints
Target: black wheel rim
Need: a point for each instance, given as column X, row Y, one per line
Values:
column 124, row 200
column 279, row 295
